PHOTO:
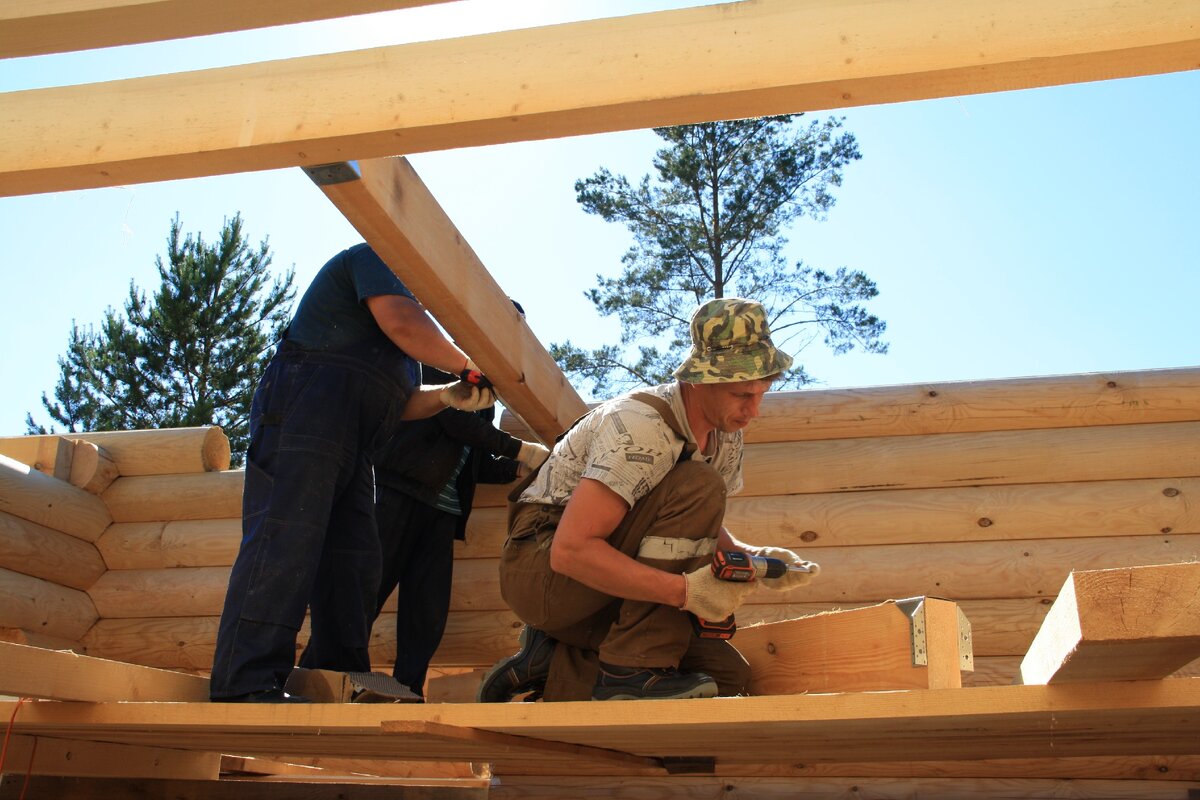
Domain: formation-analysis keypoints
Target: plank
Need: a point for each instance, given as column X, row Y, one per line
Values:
column 157, row 451
column 942, row 514
column 1120, row 719
column 75, row 758
column 61, row 675
column 913, row 645
column 389, row 204
column 666, row 68
column 1114, row 452
column 37, row 27
column 1135, row 623
column 1053, row 401
column 252, row 789
column 39, row 605
column 31, row 495
column 42, row 552
column 153, row 498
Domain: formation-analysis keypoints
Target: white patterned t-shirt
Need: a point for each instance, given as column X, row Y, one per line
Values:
column 625, row 444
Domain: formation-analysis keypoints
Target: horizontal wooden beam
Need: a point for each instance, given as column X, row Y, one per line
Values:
column 37, row 27
column 75, row 758
column 157, row 451
column 158, row 498
column 1136, row 623
column 48, row 554
column 29, row 494
column 389, row 204
column 1103, row 719
column 58, row 675
column 34, row 604
column 671, row 67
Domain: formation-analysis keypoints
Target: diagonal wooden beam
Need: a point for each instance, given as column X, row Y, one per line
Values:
column 389, row 204
column 37, row 27
column 671, row 67
column 63, row 675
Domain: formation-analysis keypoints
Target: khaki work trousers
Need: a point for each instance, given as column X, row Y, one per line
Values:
column 591, row 626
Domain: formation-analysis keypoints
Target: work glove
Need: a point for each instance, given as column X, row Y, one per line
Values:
column 790, row 579
column 532, row 455
column 465, row 397
column 711, row 598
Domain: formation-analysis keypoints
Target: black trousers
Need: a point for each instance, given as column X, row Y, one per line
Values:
column 417, row 541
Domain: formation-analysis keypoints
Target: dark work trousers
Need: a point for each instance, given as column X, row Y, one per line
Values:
column 591, row 626
column 418, row 561
column 308, row 531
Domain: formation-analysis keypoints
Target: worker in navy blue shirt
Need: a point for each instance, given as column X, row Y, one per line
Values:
column 424, row 487
column 330, row 397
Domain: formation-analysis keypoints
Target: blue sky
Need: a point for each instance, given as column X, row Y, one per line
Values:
column 1021, row 233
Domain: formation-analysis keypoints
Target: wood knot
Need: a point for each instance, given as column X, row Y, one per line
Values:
column 1170, row 491
column 809, row 536
column 984, row 522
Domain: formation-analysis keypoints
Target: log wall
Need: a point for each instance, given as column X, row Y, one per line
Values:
column 986, row 493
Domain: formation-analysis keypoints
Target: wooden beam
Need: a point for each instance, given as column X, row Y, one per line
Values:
column 34, row 604
column 158, row 498
column 48, row 554
column 353, row 788
column 921, row 643
column 31, row 495
column 1103, row 719
column 75, row 758
column 386, row 201
column 37, row 27
column 1136, row 623
column 60, row 675
column 158, row 451
column 665, row 68
column 1054, row 401
column 177, row 543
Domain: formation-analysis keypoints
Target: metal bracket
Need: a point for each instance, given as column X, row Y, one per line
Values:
column 914, row 609
column 330, row 174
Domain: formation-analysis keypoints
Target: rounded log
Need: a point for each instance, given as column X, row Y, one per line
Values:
column 34, row 496
column 45, row 553
column 38, row 605
column 152, row 498
column 163, row 451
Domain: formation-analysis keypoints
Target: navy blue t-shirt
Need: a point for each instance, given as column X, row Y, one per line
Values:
column 333, row 314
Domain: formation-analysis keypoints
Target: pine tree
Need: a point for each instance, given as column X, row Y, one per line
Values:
column 190, row 355
column 711, row 225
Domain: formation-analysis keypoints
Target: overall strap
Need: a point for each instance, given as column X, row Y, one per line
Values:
column 668, row 415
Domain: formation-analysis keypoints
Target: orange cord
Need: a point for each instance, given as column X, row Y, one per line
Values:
column 12, row 721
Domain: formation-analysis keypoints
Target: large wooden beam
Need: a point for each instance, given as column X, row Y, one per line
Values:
column 32, row 495
column 37, row 27
column 56, row 675
column 1137, row 623
column 386, row 201
column 671, row 67
column 48, row 554
column 158, row 498
column 72, row 757
column 1103, row 719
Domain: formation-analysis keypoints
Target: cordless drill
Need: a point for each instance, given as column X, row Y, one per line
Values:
column 734, row 565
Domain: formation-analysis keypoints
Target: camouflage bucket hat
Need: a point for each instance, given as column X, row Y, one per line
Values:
column 731, row 341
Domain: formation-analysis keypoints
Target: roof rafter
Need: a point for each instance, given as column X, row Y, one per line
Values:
column 672, row 67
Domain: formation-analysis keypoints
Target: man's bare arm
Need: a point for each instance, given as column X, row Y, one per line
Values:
column 410, row 328
column 581, row 550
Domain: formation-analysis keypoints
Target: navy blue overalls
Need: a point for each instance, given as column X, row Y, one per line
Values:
column 308, row 524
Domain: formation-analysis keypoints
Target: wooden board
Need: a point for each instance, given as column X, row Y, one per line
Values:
column 59, row 675
column 667, row 68
column 1134, row 623
column 55, row 26
column 389, row 204
column 100, row 759
column 1103, row 719
column 913, row 645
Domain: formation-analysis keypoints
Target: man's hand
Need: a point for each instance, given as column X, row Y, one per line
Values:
column 792, row 578
column 710, row 598
column 465, row 397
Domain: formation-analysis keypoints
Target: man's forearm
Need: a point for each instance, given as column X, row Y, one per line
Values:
column 424, row 402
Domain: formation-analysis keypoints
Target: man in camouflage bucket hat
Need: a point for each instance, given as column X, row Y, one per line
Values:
column 610, row 542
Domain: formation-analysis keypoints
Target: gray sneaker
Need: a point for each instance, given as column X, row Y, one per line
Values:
column 525, row 671
column 651, row 683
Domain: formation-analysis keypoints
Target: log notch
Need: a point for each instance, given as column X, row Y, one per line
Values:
column 27, row 493
column 92, row 467
column 1137, row 623
column 726, row 61
column 922, row 643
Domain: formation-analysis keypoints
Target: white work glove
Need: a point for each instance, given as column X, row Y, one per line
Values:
column 466, row 397
column 791, row 579
column 533, row 455
column 712, row 599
